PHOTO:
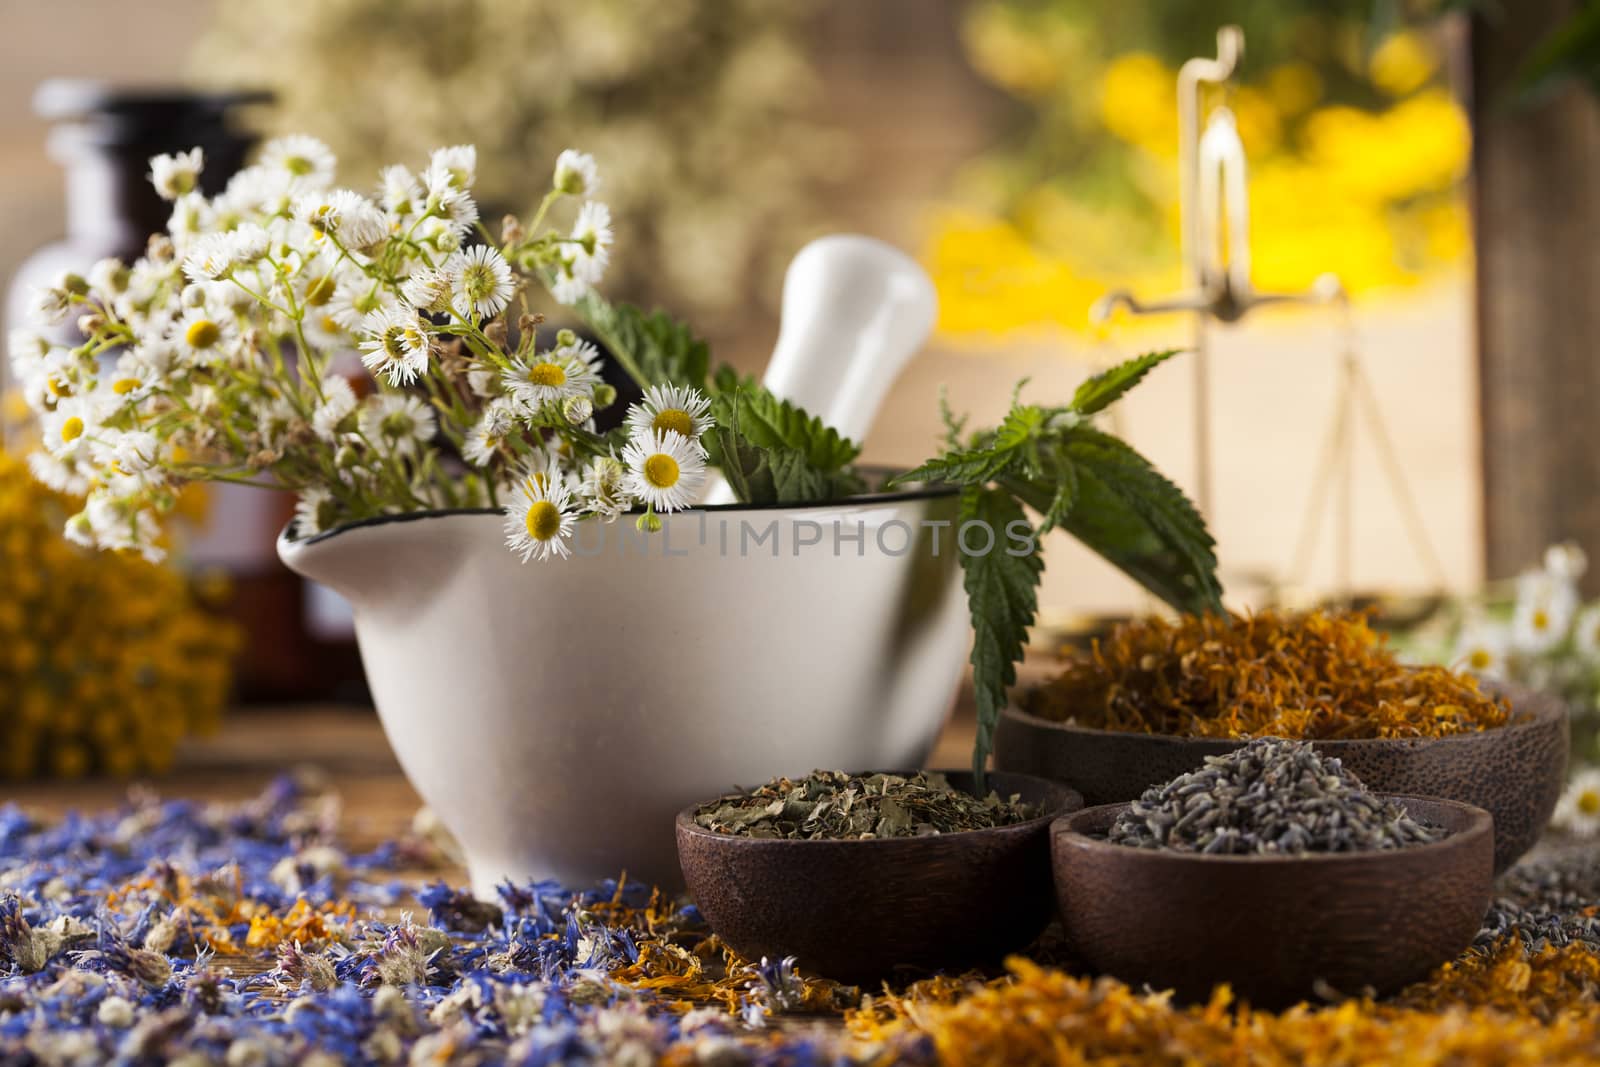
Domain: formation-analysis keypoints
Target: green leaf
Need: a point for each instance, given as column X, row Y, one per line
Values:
column 1002, row 597
column 654, row 348
column 761, row 473
column 1014, row 446
column 768, row 422
column 1104, row 389
column 1126, row 511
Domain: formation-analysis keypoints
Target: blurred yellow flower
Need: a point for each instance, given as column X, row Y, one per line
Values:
column 1402, row 64
column 105, row 660
column 1373, row 196
column 1137, row 103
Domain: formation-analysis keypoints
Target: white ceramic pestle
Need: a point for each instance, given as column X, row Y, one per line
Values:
column 855, row 310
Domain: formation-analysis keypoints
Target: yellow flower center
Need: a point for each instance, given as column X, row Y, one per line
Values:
column 202, row 333
column 71, row 430
column 299, row 166
column 477, row 281
column 549, row 374
column 544, row 520
column 320, row 291
column 661, row 471
column 1541, row 620
column 675, row 419
column 1589, row 801
column 124, row 386
column 1480, row 659
column 394, row 342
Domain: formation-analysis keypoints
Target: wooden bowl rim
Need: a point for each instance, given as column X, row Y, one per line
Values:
column 1476, row 824
column 1542, row 708
column 1068, row 802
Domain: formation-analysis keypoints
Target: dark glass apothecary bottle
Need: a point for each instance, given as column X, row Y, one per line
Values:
column 103, row 136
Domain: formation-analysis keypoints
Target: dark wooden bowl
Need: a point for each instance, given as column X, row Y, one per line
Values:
column 1279, row 929
column 1515, row 772
column 857, row 910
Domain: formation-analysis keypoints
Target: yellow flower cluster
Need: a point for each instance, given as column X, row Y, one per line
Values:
column 1505, row 1007
column 106, row 661
column 1373, row 196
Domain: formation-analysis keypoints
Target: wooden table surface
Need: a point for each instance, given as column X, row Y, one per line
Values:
column 344, row 744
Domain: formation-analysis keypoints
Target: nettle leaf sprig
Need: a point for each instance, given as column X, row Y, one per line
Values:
column 1053, row 462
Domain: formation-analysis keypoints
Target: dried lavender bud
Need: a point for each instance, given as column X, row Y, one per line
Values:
column 836, row 805
column 1271, row 796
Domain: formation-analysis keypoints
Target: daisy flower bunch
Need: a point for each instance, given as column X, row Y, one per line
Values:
column 373, row 351
column 1539, row 632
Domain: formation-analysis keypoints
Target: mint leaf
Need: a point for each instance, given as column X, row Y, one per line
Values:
column 1104, row 389
column 653, row 348
column 1002, row 597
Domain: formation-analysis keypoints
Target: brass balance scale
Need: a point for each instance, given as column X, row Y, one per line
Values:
column 1215, row 211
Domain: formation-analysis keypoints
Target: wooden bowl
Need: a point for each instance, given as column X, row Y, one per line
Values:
column 1279, row 929
column 1515, row 772
column 857, row 910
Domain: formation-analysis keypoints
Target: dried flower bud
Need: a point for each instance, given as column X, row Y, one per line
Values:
column 511, row 231
column 577, row 409
column 91, row 323
column 495, row 331
column 159, row 249
column 527, row 324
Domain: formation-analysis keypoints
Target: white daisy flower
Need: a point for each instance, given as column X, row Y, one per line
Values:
column 68, row 429
column 427, row 290
column 540, row 518
column 670, row 407
column 576, row 173
column 480, row 281
column 604, row 488
column 176, row 174
column 568, row 288
column 313, row 512
column 344, row 215
column 484, row 439
column 401, row 422
column 395, row 343
column 591, row 242
column 306, row 160
column 338, row 401
column 203, row 335
column 130, row 452
column 27, row 350
column 60, row 475
column 551, row 377
column 456, row 167
column 213, row 256
column 400, row 192
column 665, row 470
column 355, row 298
column 1483, row 649
column 1578, row 811
column 1566, row 561
column 191, row 216
column 1543, row 614
column 257, row 190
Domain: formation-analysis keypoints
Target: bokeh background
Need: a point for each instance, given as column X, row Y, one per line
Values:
column 1024, row 150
